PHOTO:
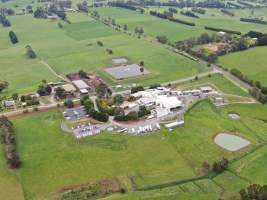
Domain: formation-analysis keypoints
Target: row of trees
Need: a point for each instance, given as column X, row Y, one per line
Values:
column 30, row 100
column 169, row 16
column 222, row 30
column 126, row 6
column 256, row 21
column 180, row 4
column 8, row 139
column 258, row 91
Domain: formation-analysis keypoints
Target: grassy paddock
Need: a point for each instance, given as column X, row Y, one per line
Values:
column 75, row 47
column 53, row 159
column 251, row 63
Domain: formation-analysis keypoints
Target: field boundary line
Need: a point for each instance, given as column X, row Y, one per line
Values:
column 53, row 71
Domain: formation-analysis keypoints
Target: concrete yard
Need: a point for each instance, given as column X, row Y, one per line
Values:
column 230, row 142
column 75, row 113
column 126, row 71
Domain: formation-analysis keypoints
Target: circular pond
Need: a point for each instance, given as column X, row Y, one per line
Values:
column 230, row 142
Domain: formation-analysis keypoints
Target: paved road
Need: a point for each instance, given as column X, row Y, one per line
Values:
column 232, row 78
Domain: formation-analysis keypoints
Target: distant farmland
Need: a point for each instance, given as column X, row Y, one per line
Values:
column 251, row 62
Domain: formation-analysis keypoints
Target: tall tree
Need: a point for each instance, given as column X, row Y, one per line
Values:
column 13, row 37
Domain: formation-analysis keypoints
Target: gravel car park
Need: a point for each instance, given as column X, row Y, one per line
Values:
column 75, row 114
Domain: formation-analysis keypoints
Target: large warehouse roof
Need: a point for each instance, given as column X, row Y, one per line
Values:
column 80, row 84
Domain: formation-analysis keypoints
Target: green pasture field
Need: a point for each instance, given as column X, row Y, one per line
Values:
column 217, row 80
column 10, row 188
column 215, row 18
column 75, row 47
column 251, row 63
column 53, row 159
column 154, row 26
column 253, row 166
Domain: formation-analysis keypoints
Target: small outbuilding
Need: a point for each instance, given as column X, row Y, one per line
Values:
column 206, row 89
column 81, row 85
column 175, row 124
column 9, row 104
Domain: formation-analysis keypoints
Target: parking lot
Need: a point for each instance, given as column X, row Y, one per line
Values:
column 146, row 125
column 75, row 114
column 85, row 130
column 126, row 71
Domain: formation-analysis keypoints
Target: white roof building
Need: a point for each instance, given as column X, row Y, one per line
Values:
column 84, row 91
column 169, row 103
column 159, row 98
column 206, row 89
column 80, row 84
column 9, row 103
column 174, row 124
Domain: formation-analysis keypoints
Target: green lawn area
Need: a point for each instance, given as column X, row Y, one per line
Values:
column 10, row 187
column 53, row 159
column 218, row 81
column 154, row 26
column 253, row 166
column 251, row 63
column 75, row 47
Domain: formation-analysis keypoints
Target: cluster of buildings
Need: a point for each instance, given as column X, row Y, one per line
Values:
column 162, row 100
column 78, row 85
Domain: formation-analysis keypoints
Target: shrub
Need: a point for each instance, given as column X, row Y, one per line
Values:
column 153, row 86
column 189, row 14
column 256, row 21
column 162, row 39
column 99, row 43
column 105, row 106
column 137, row 89
column 30, row 52
column 182, row 22
column 220, row 166
column 100, row 116
column 143, row 111
column 60, row 25
column 69, row 103
column 13, row 37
